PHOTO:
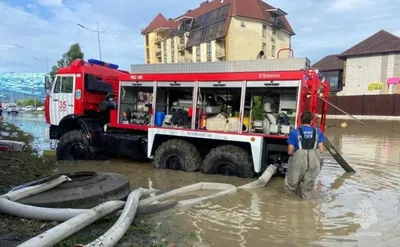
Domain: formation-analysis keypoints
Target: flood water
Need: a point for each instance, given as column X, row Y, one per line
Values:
column 348, row 210
column 33, row 123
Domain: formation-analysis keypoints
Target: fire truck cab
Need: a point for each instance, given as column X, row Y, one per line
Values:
column 73, row 97
column 230, row 118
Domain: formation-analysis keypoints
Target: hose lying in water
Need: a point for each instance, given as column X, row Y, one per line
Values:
column 33, row 190
column 115, row 233
column 63, row 214
column 262, row 180
column 80, row 218
column 77, row 223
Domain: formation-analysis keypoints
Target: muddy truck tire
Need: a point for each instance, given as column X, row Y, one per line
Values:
column 74, row 145
column 178, row 154
column 229, row 160
column 86, row 190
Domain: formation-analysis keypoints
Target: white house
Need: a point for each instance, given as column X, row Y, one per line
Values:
column 370, row 63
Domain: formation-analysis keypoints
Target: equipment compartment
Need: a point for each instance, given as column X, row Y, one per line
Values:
column 136, row 104
column 271, row 110
column 219, row 106
column 174, row 104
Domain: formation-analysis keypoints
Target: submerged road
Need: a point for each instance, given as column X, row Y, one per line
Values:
column 348, row 210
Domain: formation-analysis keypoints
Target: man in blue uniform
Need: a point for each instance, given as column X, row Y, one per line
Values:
column 305, row 146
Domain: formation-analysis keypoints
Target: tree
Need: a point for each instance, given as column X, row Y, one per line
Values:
column 72, row 54
column 26, row 102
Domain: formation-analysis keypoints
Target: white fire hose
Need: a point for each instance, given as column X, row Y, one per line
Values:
column 77, row 219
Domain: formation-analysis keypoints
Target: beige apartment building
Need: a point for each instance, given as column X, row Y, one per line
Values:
column 219, row 30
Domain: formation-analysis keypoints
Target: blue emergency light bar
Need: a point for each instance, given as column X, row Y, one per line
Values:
column 101, row 63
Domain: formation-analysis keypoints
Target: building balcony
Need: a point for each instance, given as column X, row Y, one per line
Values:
column 185, row 60
column 220, row 52
column 159, row 39
column 181, row 46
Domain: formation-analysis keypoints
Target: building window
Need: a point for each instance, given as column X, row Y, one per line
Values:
column 273, row 34
column 147, row 53
column 198, row 58
column 264, row 31
column 147, row 40
column 165, row 51
column 209, row 51
column 273, row 51
column 335, row 79
column 173, row 50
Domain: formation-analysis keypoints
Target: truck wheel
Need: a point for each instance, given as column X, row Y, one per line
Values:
column 74, row 145
column 228, row 160
column 177, row 154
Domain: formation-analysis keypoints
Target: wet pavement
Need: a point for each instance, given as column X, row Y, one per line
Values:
column 348, row 210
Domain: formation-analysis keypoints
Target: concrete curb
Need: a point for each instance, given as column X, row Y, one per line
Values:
column 382, row 118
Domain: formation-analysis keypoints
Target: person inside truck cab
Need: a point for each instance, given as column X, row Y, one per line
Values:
column 304, row 147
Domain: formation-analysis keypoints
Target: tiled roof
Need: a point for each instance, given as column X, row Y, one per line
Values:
column 331, row 62
column 257, row 9
column 380, row 42
column 254, row 9
column 157, row 22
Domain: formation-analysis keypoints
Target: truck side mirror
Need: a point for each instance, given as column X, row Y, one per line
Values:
column 47, row 84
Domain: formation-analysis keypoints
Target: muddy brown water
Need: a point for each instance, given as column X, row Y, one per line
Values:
column 347, row 210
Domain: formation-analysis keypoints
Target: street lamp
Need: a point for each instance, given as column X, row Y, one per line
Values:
column 96, row 31
column 47, row 64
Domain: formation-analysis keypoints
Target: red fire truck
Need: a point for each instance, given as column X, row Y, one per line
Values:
column 228, row 117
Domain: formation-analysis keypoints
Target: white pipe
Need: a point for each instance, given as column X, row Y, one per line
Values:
column 225, row 189
column 64, row 214
column 86, row 217
column 38, row 213
column 14, row 146
column 67, row 228
column 75, row 224
column 33, row 190
column 189, row 188
column 117, row 231
column 262, row 180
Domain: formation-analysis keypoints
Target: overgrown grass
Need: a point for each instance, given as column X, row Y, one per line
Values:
column 17, row 168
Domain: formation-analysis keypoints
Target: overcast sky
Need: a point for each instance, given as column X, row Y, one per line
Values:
column 37, row 28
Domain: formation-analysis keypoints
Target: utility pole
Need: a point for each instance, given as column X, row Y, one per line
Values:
column 96, row 31
column 98, row 38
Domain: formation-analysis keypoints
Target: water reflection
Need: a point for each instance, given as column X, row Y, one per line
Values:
column 31, row 123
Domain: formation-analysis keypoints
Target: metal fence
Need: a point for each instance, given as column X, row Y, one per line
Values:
column 365, row 105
